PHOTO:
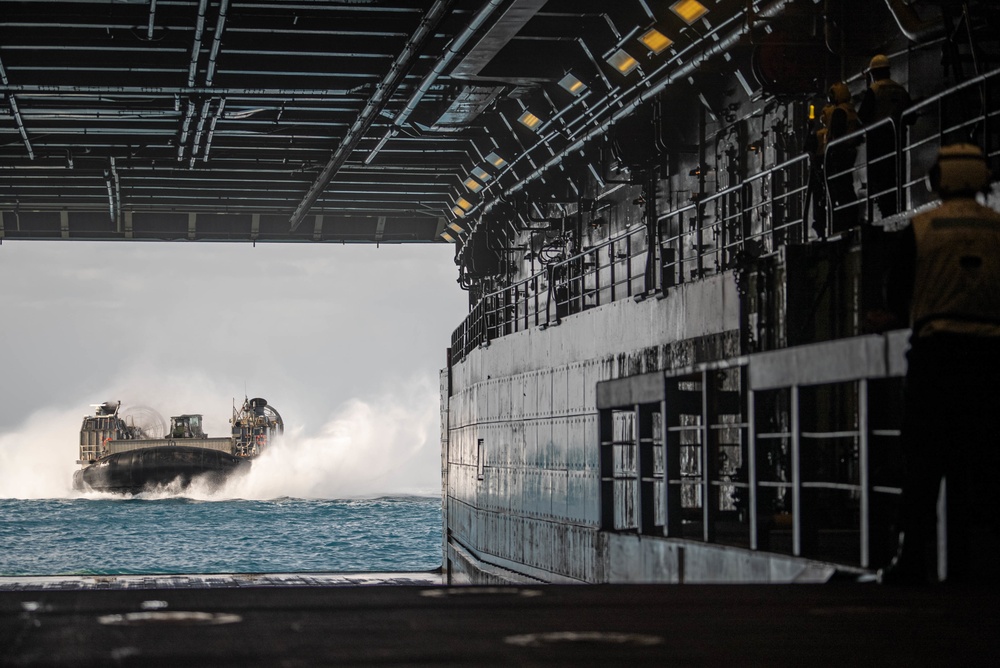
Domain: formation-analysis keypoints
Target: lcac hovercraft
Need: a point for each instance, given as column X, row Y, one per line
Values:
column 128, row 451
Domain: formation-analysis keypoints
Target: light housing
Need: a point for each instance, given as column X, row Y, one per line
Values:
column 458, row 211
column 463, row 204
column 622, row 61
column 529, row 120
column 496, row 160
column 456, row 227
column 655, row 41
column 572, row 85
column 447, row 237
column 473, row 185
column 481, row 174
column 689, row 10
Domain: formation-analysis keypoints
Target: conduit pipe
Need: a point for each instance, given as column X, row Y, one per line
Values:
column 199, row 31
column 376, row 103
column 213, row 55
column 325, row 94
column 17, row 113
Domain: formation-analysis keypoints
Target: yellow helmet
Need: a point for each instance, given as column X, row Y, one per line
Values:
column 960, row 170
column 878, row 62
column 839, row 93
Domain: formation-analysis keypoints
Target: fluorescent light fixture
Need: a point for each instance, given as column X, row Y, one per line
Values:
column 689, row 10
column 473, row 185
column 482, row 174
column 455, row 226
column 464, row 204
column 458, row 211
column 655, row 41
column 529, row 120
column 447, row 237
column 496, row 160
column 623, row 62
column 573, row 85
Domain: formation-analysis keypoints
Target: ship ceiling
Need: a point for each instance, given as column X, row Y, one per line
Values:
column 350, row 120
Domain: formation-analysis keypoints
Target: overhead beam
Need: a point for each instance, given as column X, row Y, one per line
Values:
column 17, row 113
column 383, row 92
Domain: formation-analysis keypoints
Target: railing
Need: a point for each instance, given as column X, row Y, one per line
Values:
column 887, row 180
column 778, row 452
column 751, row 218
column 611, row 270
column 758, row 214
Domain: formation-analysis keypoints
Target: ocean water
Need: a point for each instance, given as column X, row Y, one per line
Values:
column 156, row 534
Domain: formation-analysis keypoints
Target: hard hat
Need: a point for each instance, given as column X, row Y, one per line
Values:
column 960, row 170
column 839, row 93
column 879, row 62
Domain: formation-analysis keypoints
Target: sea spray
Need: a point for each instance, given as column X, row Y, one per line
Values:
column 383, row 444
column 387, row 445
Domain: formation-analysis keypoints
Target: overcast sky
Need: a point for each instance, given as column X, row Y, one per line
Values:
column 344, row 341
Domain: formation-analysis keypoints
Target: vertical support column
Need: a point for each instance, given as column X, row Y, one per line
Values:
column 709, row 457
column 796, row 473
column 607, row 469
column 671, row 461
column 646, row 505
column 864, row 481
column 699, row 205
column 751, row 432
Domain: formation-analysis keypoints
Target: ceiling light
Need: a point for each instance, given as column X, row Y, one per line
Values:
column 623, row 62
column 656, row 41
column 689, row 10
column 482, row 174
column 447, row 237
column 572, row 84
column 529, row 120
column 458, row 211
column 464, row 204
column 455, row 226
column 473, row 185
column 496, row 160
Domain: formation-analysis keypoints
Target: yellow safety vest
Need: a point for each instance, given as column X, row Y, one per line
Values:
column 957, row 282
column 823, row 136
column 891, row 99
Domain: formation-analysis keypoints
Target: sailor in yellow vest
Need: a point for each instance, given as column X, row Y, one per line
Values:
column 950, row 270
column 883, row 99
column 840, row 119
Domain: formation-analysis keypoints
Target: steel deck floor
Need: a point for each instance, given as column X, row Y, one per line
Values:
column 690, row 625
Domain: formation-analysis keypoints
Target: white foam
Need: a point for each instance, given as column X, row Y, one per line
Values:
column 378, row 445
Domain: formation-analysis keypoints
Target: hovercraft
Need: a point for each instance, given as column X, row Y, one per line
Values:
column 129, row 451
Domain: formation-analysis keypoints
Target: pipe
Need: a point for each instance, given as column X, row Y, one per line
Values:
column 211, row 128
column 196, row 144
column 199, row 31
column 213, row 55
column 911, row 25
column 370, row 111
column 46, row 90
column 17, row 114
column 152, row 19
column 452, row 50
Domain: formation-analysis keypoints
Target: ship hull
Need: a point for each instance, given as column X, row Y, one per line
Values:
column 134, row 471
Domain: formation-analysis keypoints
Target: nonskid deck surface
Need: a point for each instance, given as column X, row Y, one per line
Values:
column 833, row 624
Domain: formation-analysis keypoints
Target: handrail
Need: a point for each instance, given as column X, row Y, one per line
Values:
column 767, row 483
column 747, row 219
